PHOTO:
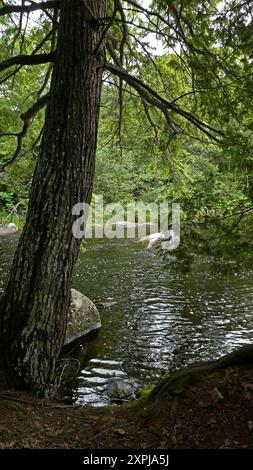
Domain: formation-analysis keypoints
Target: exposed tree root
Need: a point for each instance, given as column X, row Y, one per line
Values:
column 175, row 384
column 167, row 393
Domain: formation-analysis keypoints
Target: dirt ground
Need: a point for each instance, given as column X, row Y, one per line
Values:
column 216, row 413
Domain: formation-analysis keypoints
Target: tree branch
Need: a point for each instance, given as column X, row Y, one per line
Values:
column 155, row 99
column 27, row 60
column 178, row 14
column 115, row 10
column 150, row 119
column 7, row 9
column 27, row 120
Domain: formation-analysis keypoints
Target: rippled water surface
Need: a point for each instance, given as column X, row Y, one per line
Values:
column 159, row 321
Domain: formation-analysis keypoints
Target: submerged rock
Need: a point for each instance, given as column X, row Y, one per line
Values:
column 102, row 305
column 83, row 318
column 9, row 229
column 119, row 390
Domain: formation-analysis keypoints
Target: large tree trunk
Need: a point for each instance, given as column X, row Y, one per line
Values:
column 34, row 308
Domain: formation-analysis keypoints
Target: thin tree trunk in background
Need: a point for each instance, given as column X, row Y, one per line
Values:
column 34, row 308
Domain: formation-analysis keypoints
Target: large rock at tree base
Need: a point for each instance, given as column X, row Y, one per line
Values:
column 83, row 318
column 9, row 229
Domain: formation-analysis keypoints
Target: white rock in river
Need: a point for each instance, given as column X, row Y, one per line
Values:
column 150, row 240
column 9, row 229
column 83, row 317
column 170, row 237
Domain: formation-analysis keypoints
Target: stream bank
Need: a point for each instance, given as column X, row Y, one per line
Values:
column 204, row 419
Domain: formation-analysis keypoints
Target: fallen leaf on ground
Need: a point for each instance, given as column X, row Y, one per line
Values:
column 120, row 431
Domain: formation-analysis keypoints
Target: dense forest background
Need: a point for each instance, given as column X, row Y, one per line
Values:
column 139, row 157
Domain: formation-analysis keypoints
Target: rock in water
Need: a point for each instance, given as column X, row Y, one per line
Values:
column 83, row 318
column 102, row 305
column 150, row 240
column 119, row 390
column 154, row 238
column 9, row 229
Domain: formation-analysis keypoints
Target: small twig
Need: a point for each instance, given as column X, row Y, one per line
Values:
column 150, row 119
column 13, row 211
column 116, row 7
column 27, row 120
column 34, row 403
column 230, row 230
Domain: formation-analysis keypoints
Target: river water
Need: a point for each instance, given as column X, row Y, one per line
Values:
column 159, row 321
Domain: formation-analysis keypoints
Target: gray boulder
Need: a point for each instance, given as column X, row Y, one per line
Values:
column 83, row 318
column 9, row 229
column 119, row 390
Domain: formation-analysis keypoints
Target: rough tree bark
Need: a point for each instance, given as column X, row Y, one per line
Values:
column 34, row 308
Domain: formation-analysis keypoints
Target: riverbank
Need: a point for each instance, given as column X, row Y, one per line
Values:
column 216, row 412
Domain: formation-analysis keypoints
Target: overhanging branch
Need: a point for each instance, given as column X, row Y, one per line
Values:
column 8, row 9
column 27, row 60
column 153, row 98
column 27, row 120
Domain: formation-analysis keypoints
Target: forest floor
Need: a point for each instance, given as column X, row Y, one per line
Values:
column 217, row 412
